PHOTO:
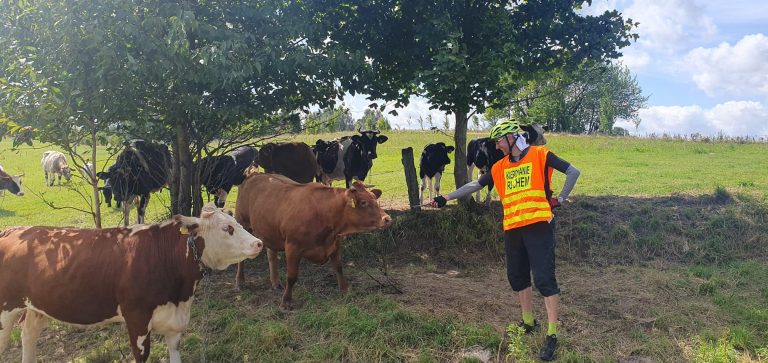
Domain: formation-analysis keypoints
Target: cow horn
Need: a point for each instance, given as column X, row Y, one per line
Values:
column 358, row 129
column 20, row 175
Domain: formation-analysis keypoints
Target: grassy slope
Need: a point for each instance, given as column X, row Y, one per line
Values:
column 681, row 277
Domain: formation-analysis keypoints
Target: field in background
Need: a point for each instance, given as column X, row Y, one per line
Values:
column 609, row 165
column 662, row 257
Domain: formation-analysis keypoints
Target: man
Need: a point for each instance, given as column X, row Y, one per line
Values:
column 523, row 179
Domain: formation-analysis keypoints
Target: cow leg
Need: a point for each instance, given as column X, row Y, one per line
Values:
column 142, row 208
column 172, row 341
column 239, row 276
column 7, row 319
column 421, row 190
column 488, row 196
column 46, row 177
column 292, row 259
column 337, row 267
column 429, row 187
column 438, row 176
column 274, row 275
column 138, row 334
column 59, row 179
column 34, row 323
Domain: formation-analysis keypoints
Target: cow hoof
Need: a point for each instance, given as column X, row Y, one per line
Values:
column 286, row 307
column 277, row 287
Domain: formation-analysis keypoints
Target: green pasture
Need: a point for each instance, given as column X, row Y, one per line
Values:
column 609, row 166
column 662, row 257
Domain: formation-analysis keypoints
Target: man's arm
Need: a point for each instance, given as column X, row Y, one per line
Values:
column 465, row 189
column 570, row 171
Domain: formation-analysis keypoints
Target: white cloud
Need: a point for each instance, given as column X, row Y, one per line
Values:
column 732, row 118
column 407, row 117
column 737, row 70
column 635, row 59
column 670, row 25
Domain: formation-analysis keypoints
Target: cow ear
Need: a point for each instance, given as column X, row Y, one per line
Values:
column 187, row 225
column 208, row 210
column 450, row 149
column 376, row 193
column 381, row 139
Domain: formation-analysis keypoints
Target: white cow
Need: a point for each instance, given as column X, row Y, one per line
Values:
column 54, row 163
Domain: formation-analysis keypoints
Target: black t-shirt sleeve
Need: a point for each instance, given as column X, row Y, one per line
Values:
column 556, row 163
column 485, row 180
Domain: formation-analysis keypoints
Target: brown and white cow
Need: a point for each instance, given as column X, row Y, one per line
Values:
column 144, row 276
column 306, row 221
column 55, row 163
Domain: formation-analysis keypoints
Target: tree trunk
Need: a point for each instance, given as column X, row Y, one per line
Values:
column 460, row 155
column 174, row 180
column 185, row 170
column 93, row 180
column 197, row 195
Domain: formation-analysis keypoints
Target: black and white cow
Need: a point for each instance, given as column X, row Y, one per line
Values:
column 432, row 164
column 140, row 169
column 482, row 153
column 353, row 157
column 219, row 173
column 11, row 183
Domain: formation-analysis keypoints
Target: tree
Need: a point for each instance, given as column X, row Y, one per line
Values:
column 373, row 119
column 66, row 83
column 588, row 99
column 463, row 55
column 200, row 76
column 330, row 119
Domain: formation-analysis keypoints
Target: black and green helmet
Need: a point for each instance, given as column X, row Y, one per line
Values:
column 503, row 128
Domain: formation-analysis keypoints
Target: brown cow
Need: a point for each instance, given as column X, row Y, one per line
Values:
column 292, row 159
column 144, row 276
column 304, row 220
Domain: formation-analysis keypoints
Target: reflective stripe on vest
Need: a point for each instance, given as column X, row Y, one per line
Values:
column 521, row 187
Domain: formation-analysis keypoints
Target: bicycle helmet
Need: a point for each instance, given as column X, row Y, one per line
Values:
column 503, row 128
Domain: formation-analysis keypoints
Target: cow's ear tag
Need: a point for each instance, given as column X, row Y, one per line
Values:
column 183, row 229
column 351, row 203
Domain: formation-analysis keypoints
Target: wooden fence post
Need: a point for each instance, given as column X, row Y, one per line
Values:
column 410, row 178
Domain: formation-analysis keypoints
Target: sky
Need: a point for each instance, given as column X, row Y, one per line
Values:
column 702, row 63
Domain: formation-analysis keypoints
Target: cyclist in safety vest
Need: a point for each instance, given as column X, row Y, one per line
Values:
column 523, row 182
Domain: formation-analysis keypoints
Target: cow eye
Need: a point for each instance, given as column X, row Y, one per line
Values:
column 363, row 203
column 229, row 229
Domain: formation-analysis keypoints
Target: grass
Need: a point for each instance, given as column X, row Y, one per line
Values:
column 610, row 166
column 661, row 256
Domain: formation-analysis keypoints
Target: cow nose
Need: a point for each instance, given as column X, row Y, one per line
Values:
column 20, row 194
column 259, row 244
column 386, row 220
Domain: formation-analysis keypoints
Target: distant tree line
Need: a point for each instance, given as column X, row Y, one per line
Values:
column 335, row 119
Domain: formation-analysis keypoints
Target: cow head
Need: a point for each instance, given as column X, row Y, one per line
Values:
column 363, row 212
column 534, row 134
column 368, row 141
column 438, row 153
column 226, row 241
column 11, row 183
column 67, row 172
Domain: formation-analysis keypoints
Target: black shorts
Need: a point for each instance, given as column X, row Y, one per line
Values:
column 531, row 249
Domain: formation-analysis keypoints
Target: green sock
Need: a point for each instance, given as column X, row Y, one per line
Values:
column 552, row 329
column 528, row 318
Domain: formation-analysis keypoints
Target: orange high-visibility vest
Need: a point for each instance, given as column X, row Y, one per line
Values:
column 521, row 188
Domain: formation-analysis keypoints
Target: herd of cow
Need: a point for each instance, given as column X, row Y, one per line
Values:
column 147, row 274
